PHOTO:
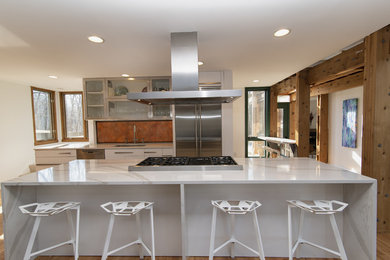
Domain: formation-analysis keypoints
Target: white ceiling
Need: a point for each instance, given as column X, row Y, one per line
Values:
column 45, row 37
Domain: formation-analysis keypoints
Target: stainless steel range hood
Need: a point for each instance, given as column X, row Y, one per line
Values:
column 185, row 86
column 186, row 97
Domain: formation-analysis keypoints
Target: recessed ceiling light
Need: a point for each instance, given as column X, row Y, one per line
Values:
column 53, row 77
column 95, row 39
column 281, row 32
column 256, row 80
column 200, row 63
column 131, row 78
column 125, row 75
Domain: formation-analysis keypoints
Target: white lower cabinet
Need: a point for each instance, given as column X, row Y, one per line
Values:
column 152, row 153
column 54, row 156
column 51, row 157
column 137, row 153
column 166, row 152
column 124, row 153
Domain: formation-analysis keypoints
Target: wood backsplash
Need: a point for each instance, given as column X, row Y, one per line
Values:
column 122, row 131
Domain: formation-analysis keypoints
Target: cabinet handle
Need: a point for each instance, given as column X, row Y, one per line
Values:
column 150, row 152
column 123, row 152
column 65, row 153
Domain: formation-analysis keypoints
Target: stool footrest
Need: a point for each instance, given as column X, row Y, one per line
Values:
column 233, row 240
column 315, row 245
column 52, row 247
column 130, row 244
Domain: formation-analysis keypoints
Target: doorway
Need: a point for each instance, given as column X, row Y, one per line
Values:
column 257, row 120
column 283, row 123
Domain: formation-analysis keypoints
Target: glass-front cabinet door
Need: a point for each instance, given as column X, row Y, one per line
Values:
column 94, row 98
column 159, row 111
column 256, row 120
column 106, row 98
column 118, row 88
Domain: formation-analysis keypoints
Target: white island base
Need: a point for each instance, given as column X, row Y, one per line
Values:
column 183, row 210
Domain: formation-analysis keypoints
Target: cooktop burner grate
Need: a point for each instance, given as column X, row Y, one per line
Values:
column 187, row 163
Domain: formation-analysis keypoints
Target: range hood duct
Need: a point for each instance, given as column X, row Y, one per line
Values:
column 185, row 85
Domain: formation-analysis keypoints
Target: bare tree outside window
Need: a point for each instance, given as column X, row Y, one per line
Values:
column 44, row 119
column 73, row 124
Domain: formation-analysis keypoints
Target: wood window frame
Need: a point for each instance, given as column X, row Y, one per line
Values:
column 53, row 115
column 63, row 118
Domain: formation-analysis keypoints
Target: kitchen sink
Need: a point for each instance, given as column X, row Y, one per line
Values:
column 129, row 145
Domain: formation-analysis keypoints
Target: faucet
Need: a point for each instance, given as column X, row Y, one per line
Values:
column 135, row 133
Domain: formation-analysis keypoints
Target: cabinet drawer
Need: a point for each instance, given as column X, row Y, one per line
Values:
column 167, row 152
column 53, row 160
column 152, row 153
column 124, row 153
column 90, row 154
column 55, row 153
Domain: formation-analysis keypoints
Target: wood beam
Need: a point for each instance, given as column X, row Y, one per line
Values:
column 302, row 114
column 292, row 120
column 376, row 119
column 338, row 66
column 273, row 112
column 293, row 96
column 285, row 86
column 351, row 81
column 322, row 128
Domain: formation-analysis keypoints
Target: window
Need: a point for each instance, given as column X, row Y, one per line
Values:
column 44, row 118
column 256, row 120
column 74, row 127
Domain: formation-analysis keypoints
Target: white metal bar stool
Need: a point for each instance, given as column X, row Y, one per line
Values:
column 316, row 207
column 128, row 208
column 233, row 208
column 39, row 210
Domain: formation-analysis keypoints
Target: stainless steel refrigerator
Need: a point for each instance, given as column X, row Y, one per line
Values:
column 198, row 130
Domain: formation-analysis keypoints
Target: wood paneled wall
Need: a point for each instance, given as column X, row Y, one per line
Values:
column 292, row 120
column 123, row 131
column 302, row 114
column 376, row 119
column 273, row 128
column 365, row 64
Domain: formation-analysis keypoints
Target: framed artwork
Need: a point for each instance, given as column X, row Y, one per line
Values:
column 349, row 131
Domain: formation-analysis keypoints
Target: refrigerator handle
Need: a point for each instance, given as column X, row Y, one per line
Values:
column 200, row 130
column 196, row 129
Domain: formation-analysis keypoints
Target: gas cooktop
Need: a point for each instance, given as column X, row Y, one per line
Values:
column 226, row 163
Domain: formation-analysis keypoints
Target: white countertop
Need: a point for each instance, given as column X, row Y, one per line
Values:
column 86, row 145
column 256, row 170
column 277, row 140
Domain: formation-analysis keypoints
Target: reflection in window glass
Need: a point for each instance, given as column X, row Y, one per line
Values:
column 74, row 115
column 43, row 115
column 256, row 113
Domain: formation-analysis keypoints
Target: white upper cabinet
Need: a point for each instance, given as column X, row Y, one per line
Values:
column 106, row 98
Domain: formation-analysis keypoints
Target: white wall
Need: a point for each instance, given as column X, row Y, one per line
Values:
column 348, row 158
column 16, row 130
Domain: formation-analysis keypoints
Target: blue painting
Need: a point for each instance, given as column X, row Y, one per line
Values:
column 349, row 122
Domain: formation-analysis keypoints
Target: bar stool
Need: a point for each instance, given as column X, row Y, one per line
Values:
column 128, row 208
column 233, row 208
column 39, row 210
column 316, row 207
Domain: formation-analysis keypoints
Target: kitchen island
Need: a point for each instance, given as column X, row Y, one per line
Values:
column 183, row 210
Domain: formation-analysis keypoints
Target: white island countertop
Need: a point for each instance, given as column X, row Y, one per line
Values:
column 183, row 209
column 110, row 172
